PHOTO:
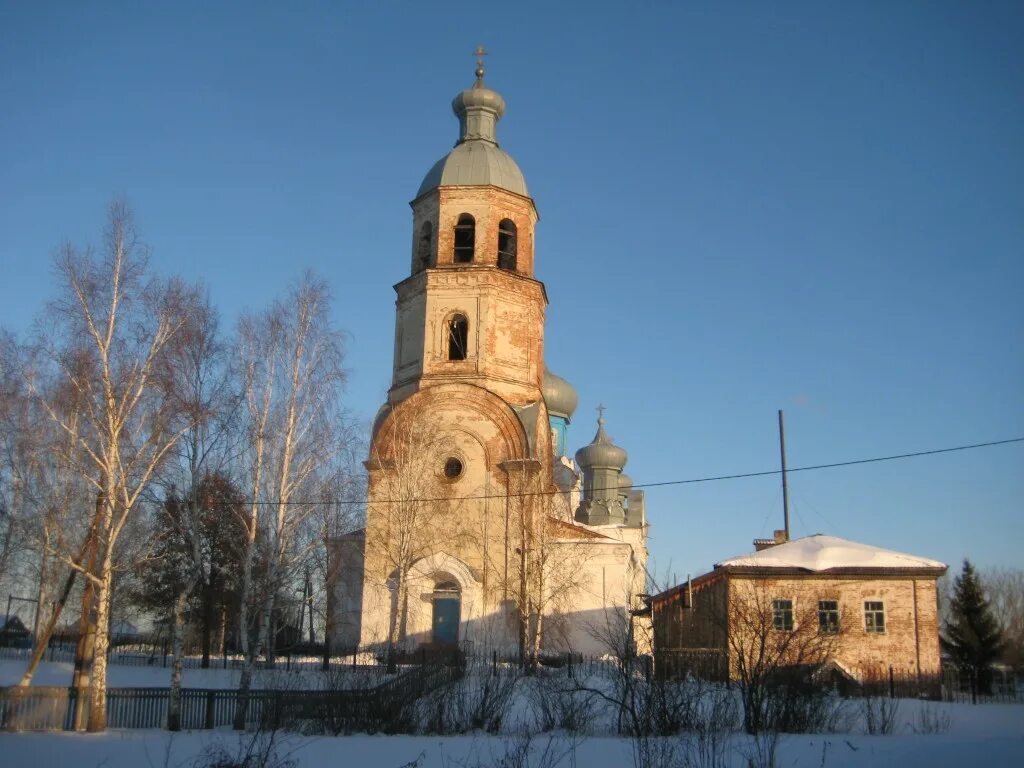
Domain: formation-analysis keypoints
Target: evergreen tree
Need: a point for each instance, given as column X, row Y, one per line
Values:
column 972, row 632
column 220, row 533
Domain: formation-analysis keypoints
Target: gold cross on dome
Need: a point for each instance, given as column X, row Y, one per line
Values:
column 480, row 52
column 600, row 412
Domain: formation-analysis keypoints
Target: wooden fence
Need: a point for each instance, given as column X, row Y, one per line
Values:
column 37, row 708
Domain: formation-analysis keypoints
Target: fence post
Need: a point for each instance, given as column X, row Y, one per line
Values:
column 892, row 684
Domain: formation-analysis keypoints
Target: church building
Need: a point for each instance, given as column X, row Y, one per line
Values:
column 480, row 530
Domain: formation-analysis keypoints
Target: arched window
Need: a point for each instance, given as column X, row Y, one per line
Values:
column 424, row 249
column 507, row 244
column 465, row 238
column 458, row 337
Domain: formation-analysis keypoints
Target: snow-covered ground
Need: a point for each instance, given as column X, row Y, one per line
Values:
column 983, row 735
column 987, row 735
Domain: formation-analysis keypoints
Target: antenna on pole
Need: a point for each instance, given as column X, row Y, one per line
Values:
column 785, row 488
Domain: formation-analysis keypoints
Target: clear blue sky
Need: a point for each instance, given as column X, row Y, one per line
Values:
column 817, row 207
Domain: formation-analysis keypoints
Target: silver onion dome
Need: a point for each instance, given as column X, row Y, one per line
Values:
column 559, row 395
column 602, row 452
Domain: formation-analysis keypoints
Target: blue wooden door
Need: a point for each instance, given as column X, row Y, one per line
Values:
column 446, row 620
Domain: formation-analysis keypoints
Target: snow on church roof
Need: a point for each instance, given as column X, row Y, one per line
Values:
column 822, row 553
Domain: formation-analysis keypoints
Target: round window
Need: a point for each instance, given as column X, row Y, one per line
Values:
column 452, row 468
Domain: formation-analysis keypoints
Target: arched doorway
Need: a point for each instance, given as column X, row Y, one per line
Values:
column 447, row 602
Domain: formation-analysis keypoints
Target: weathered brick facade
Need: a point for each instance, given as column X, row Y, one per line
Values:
column 908, row 643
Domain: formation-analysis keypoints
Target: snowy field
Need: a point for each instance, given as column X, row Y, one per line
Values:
column 985, row 735
column 989, row 735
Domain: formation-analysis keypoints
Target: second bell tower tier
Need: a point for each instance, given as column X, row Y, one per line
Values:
column 471, row 310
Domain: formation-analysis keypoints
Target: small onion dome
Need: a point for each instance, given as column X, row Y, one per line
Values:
column 625, row 482
column 602, row 452
column 478, row 97
column 559, row 395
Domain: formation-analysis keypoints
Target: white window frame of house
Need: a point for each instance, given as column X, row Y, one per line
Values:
column 778, row 612
column 872, row 627
column 834, row 630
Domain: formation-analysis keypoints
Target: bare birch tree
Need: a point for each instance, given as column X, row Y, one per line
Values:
column 200, row 382
column 123, row 324
column 53, row 502
column 291, row 359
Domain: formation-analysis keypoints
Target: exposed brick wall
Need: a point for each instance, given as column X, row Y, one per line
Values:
column 909, row 644
column 909, row 638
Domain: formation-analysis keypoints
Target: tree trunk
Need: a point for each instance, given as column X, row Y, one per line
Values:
column 222, row 626
column 538, row 636
column 208, row 590
column 178, row 647
column 98, row 702
column 248, row 662
column 44, row 637
column 248, row 656
column 266, row 641
column 85, row 647
column 84, row 654
column 396, row 632
column 244, row 684
column 308, row 601
column 41, row 590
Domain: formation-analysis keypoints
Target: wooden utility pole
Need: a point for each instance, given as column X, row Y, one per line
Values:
column 785, row 488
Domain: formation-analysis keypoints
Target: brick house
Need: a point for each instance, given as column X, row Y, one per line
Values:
column 817, row 599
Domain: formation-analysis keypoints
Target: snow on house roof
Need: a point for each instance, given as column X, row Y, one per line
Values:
column 822, row 553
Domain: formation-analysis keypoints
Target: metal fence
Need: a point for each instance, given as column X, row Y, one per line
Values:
column 37, row 708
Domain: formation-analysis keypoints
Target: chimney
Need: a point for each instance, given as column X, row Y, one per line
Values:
column 780, row 537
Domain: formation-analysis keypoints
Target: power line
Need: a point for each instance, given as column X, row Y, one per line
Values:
column 664, row 483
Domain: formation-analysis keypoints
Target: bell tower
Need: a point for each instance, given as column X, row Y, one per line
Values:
column 463, row 455
column 470, row 310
